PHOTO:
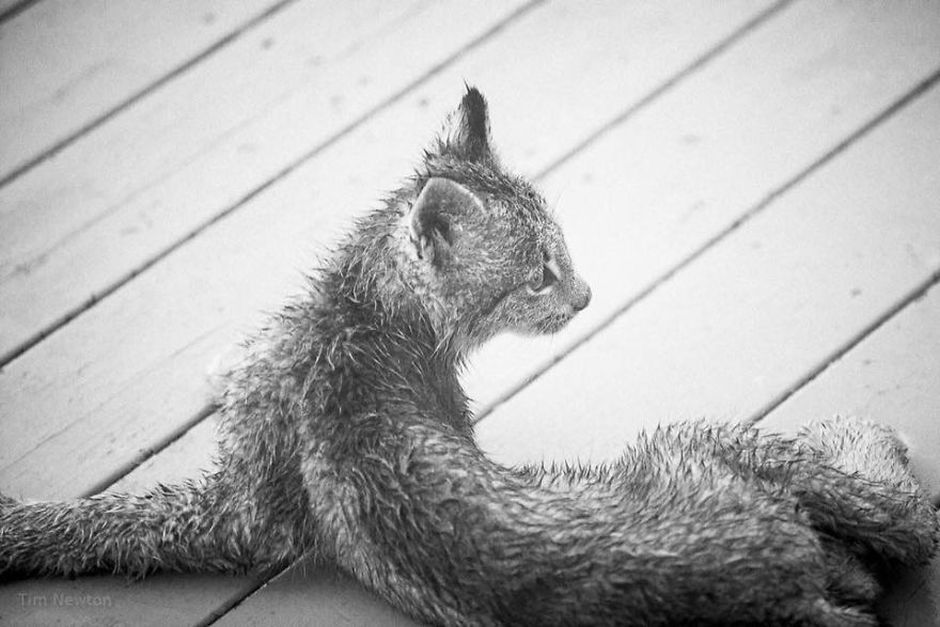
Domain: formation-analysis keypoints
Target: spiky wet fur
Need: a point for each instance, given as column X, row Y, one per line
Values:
column 345, row 432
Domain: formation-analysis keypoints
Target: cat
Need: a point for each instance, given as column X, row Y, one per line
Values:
column 345, row 433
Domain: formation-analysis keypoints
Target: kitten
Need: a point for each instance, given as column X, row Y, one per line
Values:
column 345, row 432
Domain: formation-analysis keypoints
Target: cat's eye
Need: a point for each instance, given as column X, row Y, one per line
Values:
column 548, row 277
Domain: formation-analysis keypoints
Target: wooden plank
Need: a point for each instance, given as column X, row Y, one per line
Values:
column 197, row 146
column 203, row 143
column 650, row 192
column 754, row 313
column 66, row 64
column 130, row 371
column 890, row 376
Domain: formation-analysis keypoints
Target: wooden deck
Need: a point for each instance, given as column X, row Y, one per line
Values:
column 751, row 187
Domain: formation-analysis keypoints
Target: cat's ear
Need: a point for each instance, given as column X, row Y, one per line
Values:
column 433, row 215
column 466, row 131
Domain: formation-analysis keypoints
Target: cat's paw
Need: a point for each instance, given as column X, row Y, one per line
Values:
column 856, row 446
column 884, row 507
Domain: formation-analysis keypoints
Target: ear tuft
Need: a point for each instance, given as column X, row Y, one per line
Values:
column 440, row 203
column 467, row 130
column 476, row 123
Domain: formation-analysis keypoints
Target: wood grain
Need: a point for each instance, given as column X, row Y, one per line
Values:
column 66, row 64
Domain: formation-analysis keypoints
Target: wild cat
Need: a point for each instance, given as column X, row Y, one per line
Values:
column 345, row 432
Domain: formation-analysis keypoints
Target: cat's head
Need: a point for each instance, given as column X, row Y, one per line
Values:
column 479, row 246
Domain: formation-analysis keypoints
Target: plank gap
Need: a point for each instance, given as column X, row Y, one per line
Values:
column 151, row 451
column 908, row 299
column 234, row 601
column 14, row 8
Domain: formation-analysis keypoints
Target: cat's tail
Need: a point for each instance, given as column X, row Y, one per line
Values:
column 193, row 526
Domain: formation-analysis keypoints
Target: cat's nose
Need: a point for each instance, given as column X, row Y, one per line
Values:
column 581, row 297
